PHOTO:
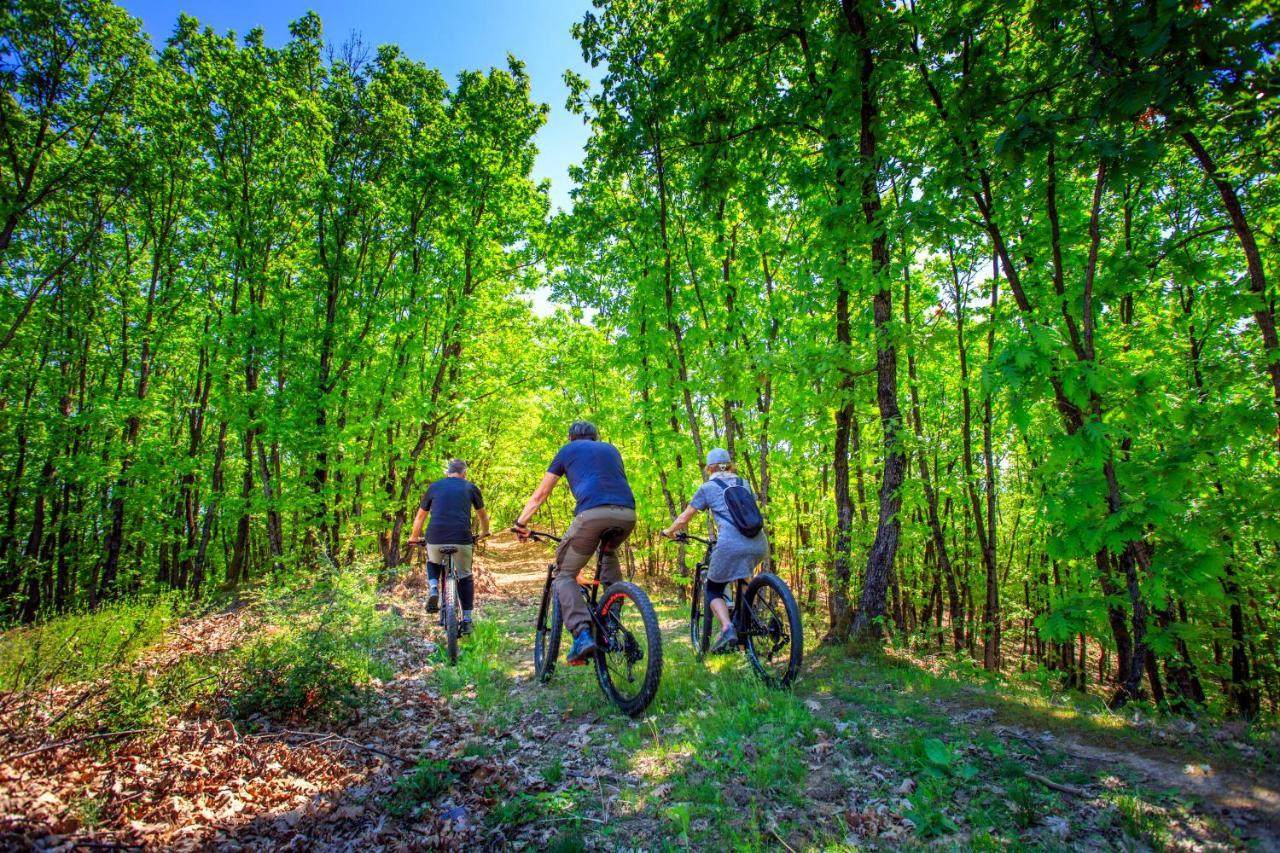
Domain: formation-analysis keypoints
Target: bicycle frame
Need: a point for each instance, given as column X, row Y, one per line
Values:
column 739, row 616
column 590, row 589
column 448, row 585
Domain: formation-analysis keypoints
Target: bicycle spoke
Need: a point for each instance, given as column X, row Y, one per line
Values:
column 623, row 651
column 769, row 637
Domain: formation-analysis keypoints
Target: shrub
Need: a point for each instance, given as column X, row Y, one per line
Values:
column 322, row 655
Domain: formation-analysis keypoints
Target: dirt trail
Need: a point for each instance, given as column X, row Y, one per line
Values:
column 516, row 567
column 1251, row 804
column 1248, row 803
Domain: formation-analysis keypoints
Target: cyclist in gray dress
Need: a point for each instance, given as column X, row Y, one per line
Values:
column 735, row 556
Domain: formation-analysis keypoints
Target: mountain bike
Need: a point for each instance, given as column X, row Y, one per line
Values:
column 449, row 605
column 764, row 613
column 628, row 656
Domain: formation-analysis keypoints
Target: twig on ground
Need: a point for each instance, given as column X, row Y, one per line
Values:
column 72, row 742
column 574, row 817
column 781, row 840
column 1058, row 786
column 322, row 737
column 80, row 700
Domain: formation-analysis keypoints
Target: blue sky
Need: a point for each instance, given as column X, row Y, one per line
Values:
column 451, row 35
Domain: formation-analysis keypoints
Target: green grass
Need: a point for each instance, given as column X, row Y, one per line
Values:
column 80, row 646
column 310, row 654
column 526, row 808
column 428, row 779
column 719, row 760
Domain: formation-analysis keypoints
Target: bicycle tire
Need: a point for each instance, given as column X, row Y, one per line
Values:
column 450, row 613
column 546, row 637
column 769, row 602
column 618, row 651
column 698, row 612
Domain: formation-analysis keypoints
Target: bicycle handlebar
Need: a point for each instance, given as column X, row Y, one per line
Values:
column 689, row 537
column 535, row 535
column 422, row 543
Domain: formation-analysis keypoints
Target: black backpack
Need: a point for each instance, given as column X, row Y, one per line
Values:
column 743, row 511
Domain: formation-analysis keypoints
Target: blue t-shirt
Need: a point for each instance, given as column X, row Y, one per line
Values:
column 449, row 500
column 594, row 471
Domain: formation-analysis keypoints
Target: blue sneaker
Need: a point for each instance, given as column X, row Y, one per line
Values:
column 583, row 648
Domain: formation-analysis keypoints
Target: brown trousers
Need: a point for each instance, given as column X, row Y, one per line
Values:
column 579, row 543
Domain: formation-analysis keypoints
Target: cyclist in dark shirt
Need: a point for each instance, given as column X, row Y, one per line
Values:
column 449, row 502
column 599, row 484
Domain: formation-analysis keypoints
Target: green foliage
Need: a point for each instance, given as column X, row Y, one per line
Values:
column 928, row 805
column 1027, row 802
column 526, row 807
column 553, row 772
column 320, row 653
column 429, row 778
column 143, row 698
column 257, row 290
column 1141, row 821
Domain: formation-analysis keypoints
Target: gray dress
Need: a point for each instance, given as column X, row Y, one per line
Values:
column 735, row 556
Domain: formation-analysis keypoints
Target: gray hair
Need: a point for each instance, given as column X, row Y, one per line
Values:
column 456, row 466
column 583, row 429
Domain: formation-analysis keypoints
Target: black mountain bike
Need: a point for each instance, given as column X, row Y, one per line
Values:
column 450, row 608
column 628, row 654
column 764, row 614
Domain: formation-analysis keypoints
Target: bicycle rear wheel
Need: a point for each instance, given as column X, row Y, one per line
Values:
column 629, row 654
column 699, row 614
column 546, row 637
column 449, row 616
column 774, row 636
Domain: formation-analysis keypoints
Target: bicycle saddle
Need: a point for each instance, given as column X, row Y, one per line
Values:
column 449, row 549
column 611, row 538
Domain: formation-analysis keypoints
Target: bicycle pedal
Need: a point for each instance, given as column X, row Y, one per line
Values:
column 577, row 663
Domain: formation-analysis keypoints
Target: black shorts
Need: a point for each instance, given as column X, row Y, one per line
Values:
column 715, row 589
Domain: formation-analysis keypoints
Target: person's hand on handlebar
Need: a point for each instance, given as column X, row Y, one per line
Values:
column 421, row 540
column 521, row 530
column 672, row 534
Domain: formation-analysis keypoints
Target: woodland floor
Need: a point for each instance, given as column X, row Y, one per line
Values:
column 875, row 752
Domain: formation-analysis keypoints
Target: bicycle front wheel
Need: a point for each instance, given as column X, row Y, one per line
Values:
column 699, row 614
column 629, row 654
column 546, row 636
column 774, row 636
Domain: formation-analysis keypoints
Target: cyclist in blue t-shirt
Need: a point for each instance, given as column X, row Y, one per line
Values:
column 599, row 484
column 449, row 502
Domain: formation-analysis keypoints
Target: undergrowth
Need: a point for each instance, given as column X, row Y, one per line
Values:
column 319, row 652
column 77, row 646
column 310, row 653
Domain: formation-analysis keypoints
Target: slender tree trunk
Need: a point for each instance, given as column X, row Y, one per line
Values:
column 884, row 547
column 1264, row 308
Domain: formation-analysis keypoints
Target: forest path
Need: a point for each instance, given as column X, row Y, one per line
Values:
column 1253, row 803
column 872, row 752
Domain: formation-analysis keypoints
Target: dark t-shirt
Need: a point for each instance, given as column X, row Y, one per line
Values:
column 594, row 471
column 449, row 501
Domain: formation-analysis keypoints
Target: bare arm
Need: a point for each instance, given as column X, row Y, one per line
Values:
column 418, row 521
column 537, row 499
column 682, row 521
column 483, row 515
